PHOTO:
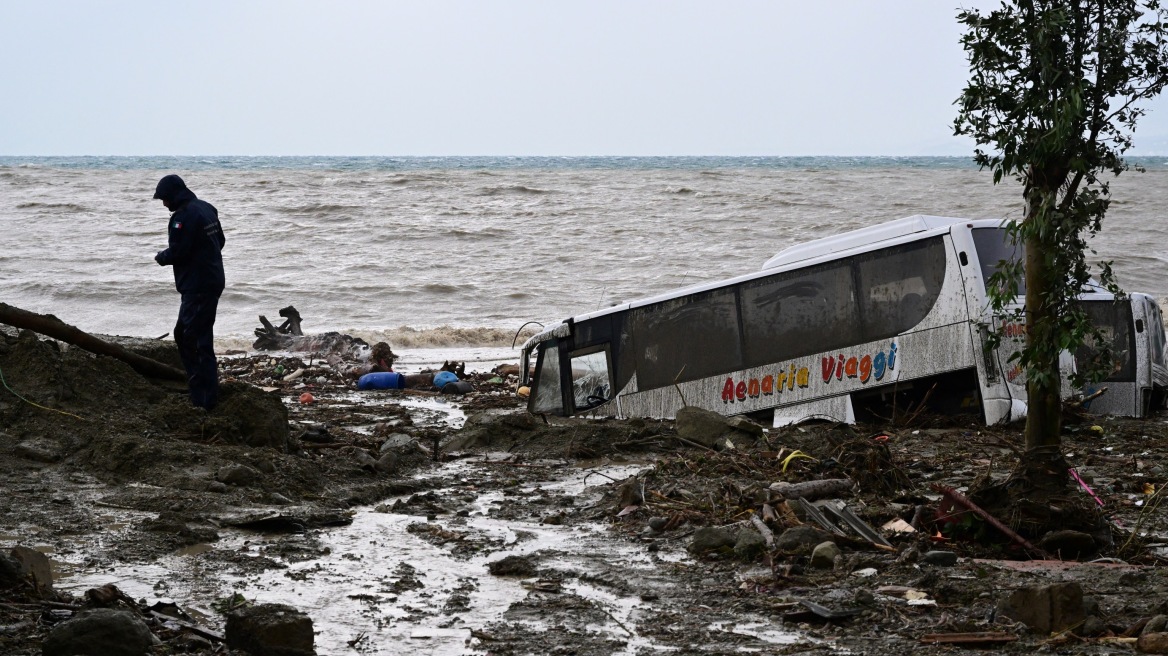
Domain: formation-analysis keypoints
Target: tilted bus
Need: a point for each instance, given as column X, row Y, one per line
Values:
column 863, row 324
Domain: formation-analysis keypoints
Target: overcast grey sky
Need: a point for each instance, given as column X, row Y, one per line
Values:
column 538, row 77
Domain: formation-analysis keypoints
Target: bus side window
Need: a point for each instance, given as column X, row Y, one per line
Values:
column 686, row 338
column 548, row 397
column 799, row 312
column 590, row 380
column 899, row 285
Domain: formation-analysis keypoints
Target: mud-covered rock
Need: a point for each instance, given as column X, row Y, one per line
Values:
column 801, row 539
column 100, row 632
column 238, row 475
column 34, row 566
column 708, row 539
column 1068, row 544
column 700, row 425
column 749, row 545
column 270, row 630
column 824, row 555
column 1045, row 608
column 513, row 566
column 939, row 558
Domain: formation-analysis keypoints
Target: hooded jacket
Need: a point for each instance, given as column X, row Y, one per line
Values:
column 195, row 244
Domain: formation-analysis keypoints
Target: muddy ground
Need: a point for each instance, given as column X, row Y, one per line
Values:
column 106, row 471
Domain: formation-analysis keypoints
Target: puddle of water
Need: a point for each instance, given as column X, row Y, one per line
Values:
column 194, row 550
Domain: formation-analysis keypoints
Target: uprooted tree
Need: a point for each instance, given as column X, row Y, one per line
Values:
column 1052, row 100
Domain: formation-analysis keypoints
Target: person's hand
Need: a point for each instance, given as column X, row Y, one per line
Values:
column 158, row 259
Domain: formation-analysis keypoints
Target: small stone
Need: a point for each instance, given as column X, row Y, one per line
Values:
column 364, row 460
column 824, row 555
column 708, row 538
column 397, row 441
column 238, row 475
column 1093, row 626
column 801, row 539
column 217, row 487
column 939, row 558
column 387, row 463
column 658, row 523
column 1152, row 643
column 105, row 631
column 1155, row 625
column 863, row 597
column 749, row 545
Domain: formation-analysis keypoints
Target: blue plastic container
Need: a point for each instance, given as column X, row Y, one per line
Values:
column 444, row 378
column 381, row 380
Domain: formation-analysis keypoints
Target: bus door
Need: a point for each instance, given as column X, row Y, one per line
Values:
column 979, row 251
column 547, row 391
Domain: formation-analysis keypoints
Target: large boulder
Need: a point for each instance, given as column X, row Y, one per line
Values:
column 34, row 566
column 1045, row 608
column 100, row 632
column 705, row 427
column 270, row 630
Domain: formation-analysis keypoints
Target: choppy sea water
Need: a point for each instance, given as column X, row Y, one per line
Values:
column 461, row 252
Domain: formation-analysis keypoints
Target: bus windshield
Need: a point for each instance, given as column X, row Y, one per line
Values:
column 994, row 245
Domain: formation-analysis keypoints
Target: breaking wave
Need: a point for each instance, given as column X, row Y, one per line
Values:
column 406, row 337
column 71, row 207
column 513, row 189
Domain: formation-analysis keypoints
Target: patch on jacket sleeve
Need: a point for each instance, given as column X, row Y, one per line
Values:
column 178, row 225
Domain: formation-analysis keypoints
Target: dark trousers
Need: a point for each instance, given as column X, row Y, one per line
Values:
column 194, row 334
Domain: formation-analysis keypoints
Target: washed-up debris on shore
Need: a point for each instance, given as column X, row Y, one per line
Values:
column 856, row 536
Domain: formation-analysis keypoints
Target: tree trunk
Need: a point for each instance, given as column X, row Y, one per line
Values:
column 1042, row 465
column 1044, row 416
column 47, row 324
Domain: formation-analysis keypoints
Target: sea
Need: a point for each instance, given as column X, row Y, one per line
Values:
column 454, row 253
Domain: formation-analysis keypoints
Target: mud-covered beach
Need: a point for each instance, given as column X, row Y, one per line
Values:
column 411, row 521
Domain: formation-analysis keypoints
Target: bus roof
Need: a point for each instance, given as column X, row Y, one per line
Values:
column 860, row 237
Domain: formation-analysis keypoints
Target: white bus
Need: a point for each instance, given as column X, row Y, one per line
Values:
column 854, row 326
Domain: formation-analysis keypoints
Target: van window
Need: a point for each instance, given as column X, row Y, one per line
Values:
column 993, row 246
column 548, row 396
column 899, row 285
column 797, row 313
column 687, row 338
column 1114, row 320
column 590, row 380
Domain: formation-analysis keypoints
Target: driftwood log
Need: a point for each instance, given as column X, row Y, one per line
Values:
column 51, row 326
column 828, row 487
column 271, row 338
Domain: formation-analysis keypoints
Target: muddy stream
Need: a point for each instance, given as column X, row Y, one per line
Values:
column 379, row 588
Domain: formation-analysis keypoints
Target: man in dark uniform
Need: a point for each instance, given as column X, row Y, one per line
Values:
column 196, row 240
